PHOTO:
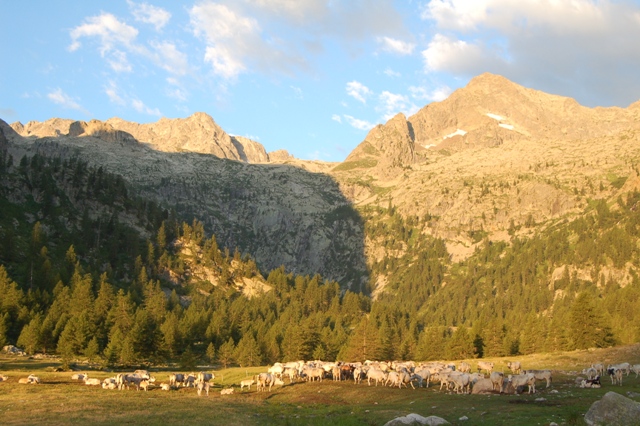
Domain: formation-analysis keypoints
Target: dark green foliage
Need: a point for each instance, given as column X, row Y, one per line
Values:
column 93, row 285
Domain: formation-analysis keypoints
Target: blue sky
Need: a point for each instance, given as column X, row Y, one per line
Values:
column 308, row 76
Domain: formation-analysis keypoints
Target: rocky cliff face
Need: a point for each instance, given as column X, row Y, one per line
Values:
column 491, row 156
column 197, row 133
column 493, row 160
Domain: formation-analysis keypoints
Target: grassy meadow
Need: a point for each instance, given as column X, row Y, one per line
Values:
column 59, row 400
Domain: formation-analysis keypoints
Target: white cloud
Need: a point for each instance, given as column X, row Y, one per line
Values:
column 392, row 45
column 58, row 97
column 436, row 95
column 392, row 103
column 168, row 57
column 391, row 73
column 358, row 91
column 358, row 124
column 149, row 14
column 177, row 92
column 557, row 46
column 458, row 56
column 139, row 106
column 106, row 27
column 235, row 43
column 118, row 61
column 336, row 117
column 112, row 93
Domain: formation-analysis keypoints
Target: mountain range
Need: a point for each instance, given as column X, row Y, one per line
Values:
column 493, row 162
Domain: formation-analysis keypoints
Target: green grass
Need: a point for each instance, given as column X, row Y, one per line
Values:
column 59, row 400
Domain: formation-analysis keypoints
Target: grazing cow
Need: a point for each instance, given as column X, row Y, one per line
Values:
column 527, row 379
column 541, row 375
column 616, row 375
column 464, row 367
column 203, row 386
column 377, row 375
column 143, row 374
column 590, row 373
column 393, row 379
column 358, row 375
column 190, row 380
column 444, row 379
column 497, row 379
column 636, row 369
column 424, row 374
column 346, row 372
column 177, row 378
column 460, row 382
column 246, row 383
column 292, row 373
column 336, row 374
column 514, row 366
column 313, row 373
column 276, row 369
column 591, row 383
column 599, row 367
column 624, row 366
column 263, row 380
column 144, row 384
column 484, row 365
column 205, row 377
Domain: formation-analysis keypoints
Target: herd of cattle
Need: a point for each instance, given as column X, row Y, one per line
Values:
column 451, row 377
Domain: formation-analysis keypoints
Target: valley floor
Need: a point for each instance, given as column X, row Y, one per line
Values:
column 59, row 400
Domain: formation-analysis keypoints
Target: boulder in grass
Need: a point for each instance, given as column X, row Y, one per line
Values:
column 417, row 419
column 613, row 410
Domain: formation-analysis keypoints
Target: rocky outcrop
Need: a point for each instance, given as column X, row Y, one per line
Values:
column 613, row 410
column 249, row 150
column 416, row 419
column 387, row 147
column 279, row 156
column 197, row 133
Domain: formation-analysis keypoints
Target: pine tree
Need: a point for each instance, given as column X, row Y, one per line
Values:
column 211, row 352
column 30, row 338
column 226, row 353
column 587, row 325
column 92, row 350
column 248, row 352
column 460, row 345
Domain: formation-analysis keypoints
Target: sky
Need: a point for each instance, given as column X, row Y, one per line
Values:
column 309, row 76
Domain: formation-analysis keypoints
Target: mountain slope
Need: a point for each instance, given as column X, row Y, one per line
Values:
column 197, row 133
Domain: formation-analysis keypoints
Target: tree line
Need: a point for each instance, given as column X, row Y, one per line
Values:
column 87, row 268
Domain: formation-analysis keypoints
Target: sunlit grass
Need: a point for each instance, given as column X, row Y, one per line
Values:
column 59, row 400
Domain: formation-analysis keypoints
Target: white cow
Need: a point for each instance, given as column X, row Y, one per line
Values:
column 263, row 380
column 484, row 365
column 497, row 379
column 590, row 373
column 246, row 383
column 527, row 379
column 541, row 375
column 514, row 366
column 203, row 386
column 91, row 382
column 377, row 375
